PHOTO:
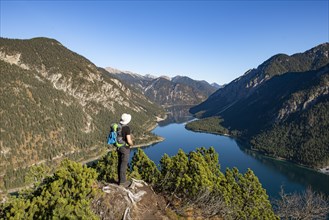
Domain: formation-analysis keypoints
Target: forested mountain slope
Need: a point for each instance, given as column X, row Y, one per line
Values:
column 281, row 107
column 56, row 103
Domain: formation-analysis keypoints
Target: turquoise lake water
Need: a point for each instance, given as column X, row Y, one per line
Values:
column 273, row 174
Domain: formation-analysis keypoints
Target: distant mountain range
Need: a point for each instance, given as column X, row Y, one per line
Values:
column 166, row 91
column 217, row 86
column 281, row 107
column 56, row 103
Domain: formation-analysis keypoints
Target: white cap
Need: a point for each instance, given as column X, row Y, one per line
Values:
column 125, row 118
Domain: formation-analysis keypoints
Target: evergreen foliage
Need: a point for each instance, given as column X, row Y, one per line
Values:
column 194, row 178
column 304, row 139
column 245, row 196
column 107, row 167
column 211, row 124
column 144, row 168
column 189, row 176
column 65, row 195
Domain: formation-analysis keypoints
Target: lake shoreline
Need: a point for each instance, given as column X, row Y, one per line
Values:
column 323, row 170
column 159, row 139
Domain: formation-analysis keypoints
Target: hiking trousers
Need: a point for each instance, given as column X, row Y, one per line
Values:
column 123, row 153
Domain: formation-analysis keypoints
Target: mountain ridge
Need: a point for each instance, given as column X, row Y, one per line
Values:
column 273, row 105
column 244, row 85
column 166, row 91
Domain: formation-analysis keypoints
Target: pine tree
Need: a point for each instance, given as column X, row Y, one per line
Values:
column 144, row 168
column 65, row 195
column 245, row 196
column 107, row 167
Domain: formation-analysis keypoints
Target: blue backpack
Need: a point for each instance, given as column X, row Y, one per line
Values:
column 115, row 136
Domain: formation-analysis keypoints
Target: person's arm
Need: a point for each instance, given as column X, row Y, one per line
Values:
column 129, row 140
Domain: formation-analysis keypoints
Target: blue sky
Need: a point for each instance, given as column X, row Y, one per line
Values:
column 215, row 41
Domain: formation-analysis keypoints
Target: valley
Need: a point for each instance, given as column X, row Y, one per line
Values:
column 57, row 104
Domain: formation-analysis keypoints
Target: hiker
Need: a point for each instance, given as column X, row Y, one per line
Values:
column 124, row 151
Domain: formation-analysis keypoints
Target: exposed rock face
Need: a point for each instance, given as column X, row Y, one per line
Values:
column 302, row 100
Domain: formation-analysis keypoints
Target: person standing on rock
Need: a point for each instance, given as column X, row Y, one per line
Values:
column 124, row 151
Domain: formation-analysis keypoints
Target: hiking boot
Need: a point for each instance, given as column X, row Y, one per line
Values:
column 125, row 184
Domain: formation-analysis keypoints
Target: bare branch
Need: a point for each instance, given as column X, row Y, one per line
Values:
column 307, row 205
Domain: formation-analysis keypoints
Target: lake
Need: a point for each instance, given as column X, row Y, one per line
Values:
column 273, row 174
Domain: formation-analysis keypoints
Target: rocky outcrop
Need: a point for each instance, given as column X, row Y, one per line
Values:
column 136, row 202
